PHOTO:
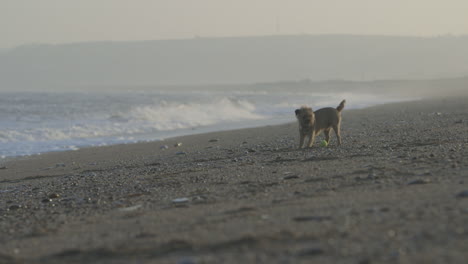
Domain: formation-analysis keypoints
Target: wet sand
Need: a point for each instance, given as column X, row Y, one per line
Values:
column 396, row 191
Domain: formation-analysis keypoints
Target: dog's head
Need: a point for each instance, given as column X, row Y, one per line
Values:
column 305, row 116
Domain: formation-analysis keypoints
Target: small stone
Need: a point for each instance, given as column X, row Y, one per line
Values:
column 365, row 261
column 384, row 209
column 54, row 195
column 462, row 194
column 310, row 252
column 180, row 200
column 131, row 208
column 46, row 200
column 178, row 144
column 213, row 140
column 418, row 181
column 14, row 207
column 311, row 218
column 186, row 261
column 164, row 147
column 289, row 177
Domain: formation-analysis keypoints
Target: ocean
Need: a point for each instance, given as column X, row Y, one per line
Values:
column 32, row 123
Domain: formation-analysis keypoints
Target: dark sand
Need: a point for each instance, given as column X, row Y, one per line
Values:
column 395, row 192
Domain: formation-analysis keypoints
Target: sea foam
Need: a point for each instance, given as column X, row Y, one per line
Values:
column 32, row 123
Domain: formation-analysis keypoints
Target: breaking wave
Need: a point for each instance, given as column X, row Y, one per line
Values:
column 171, row 116
column 45, row 131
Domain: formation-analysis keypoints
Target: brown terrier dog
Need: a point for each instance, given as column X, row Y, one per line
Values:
column 313, row 123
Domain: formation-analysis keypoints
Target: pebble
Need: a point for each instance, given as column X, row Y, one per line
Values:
column 178, row 144
column 54, row 195
column 365, row 261
column 289, row 177
column 186, row 261
column 311, row 218
column 462, row 194
column 14, row 207
column 164, row 147
column 131, row 208
column 313, row 251
column 180, row 200
column 213, row 140
column 47, row 200
column 419, row 181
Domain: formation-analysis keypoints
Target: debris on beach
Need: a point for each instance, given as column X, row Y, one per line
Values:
column 14, row 207
column 180, row 200
column 462, row 194
column 311, row 218
column 54, row 195
column 418, row 181
column 131, row 208
column 186, row 261
column 310, row 252
column 178, row 144
column 289, row 177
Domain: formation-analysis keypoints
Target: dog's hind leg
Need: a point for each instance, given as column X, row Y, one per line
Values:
column 327, row 135
column 336, row 128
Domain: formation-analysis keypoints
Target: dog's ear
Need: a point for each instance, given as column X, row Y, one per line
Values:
column 297, row 111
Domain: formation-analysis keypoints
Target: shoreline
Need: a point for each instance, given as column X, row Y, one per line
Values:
column 396, row 191
column 198, row 131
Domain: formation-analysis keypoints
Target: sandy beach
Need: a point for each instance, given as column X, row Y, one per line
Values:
column 396, row 191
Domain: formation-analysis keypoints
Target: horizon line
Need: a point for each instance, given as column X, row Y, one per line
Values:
column 198, row 37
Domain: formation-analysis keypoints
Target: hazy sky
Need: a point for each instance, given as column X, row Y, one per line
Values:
column 59, row 21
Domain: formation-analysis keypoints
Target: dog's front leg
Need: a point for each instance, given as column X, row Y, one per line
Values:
column 301, row 139
column 311, row 139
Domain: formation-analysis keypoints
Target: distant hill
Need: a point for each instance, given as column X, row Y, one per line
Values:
column 233, row 60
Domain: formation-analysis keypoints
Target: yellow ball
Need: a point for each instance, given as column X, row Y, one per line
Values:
column 323, row 143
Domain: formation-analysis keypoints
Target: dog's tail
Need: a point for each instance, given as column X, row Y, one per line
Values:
column 341, row 106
